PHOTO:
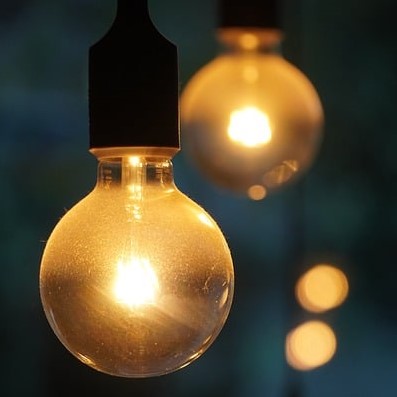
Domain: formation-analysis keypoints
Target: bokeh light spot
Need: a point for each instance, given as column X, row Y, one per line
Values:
column 311, row 345
column 257, row 192
column 322, row 288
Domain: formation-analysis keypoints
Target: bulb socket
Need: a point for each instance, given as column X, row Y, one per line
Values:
column 261, row 14
column 133, row 83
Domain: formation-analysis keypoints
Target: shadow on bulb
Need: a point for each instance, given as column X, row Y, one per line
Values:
column 136, row 280
column 251, row 121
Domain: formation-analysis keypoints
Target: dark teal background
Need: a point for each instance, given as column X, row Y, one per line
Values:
column 344, row 211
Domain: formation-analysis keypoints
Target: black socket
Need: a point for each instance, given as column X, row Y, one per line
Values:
column 133, row 83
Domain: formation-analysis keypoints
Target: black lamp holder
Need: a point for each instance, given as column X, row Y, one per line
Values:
column 257, row 14
column 133, row 83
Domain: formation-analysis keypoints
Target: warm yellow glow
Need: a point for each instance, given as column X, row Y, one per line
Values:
column 134, row 160
column 257, row 192
column 249, row 127
column 322, row 288
column 250, row 74
column 136, row 279
column 310, row 346
column 206, row 219
column 250, row 118
column 249, row 41
column 136, row 283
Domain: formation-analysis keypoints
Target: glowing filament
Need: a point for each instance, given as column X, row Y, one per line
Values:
column 249, row 127
column 134, row 161
column 136, row 283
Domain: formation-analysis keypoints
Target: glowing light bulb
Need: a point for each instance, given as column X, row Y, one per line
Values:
column 249, row 127
column 136, row 280
column 322, row 288
column 249, row 118
column 311, row 345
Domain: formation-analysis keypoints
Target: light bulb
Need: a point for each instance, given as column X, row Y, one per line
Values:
column 251, row 121
column 136, row 280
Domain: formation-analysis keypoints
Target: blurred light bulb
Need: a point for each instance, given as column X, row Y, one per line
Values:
column 311, row 345
column 250, row 118
column 322, row 288
column 136, row 280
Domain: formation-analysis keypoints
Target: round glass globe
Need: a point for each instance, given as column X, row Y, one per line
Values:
column 251, row 121
column 136, row 280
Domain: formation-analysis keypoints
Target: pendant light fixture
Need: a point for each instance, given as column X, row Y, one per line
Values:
column 136, row 280
column 251, row 121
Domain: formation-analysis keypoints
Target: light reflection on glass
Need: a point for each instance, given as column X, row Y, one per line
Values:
column 281, row 173
column 206, row 220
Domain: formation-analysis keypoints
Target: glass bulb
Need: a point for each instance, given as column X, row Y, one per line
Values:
column 136, row 280
column 250, row 120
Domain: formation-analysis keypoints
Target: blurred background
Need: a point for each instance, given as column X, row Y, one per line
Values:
column 343, row 212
